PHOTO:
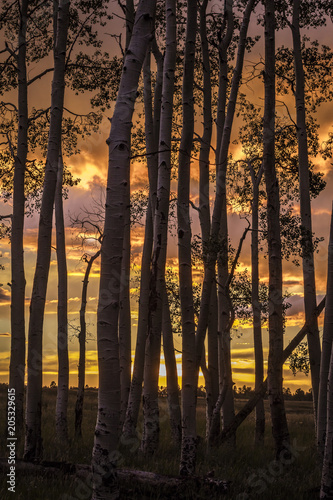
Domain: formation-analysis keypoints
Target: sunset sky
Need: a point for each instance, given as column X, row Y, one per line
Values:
column 91, row 167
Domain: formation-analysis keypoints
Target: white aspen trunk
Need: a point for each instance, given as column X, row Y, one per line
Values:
column 256, row 309
column 228, row 412
column 33, row 438
column 125, row 322
column 224, row 340
column 212, row 386
column 326, row 490
column 189, row 383
column 132, row 412
column 130, row 16
column 212, row 391
column 228, row 28
column 151, row 124
column 326, row 351
column 82, row 348
column 125, row 313
column 153, row 344
column 209, row 274
column 63, row 362
column 171, row 373
column 305, row 209
column 17, row 316
column 107, row 426
column 215, row 420
column 275, row 320
column 252, row 403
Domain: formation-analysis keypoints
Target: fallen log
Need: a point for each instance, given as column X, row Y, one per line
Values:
column 260, row 393
column 130, row 481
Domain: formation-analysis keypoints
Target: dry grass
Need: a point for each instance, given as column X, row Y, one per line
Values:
column 253, row 472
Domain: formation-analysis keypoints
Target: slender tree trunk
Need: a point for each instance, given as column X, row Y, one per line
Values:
column 326, row 352
column 209, row 274
column 171, row 372
column 260, row 393
column 212, row 393
column 215, row 420
column 125, row 322
column 125, row 312
column 33, row 439
column 63, row 362
column 227, row 30
column 150, row 402
column 212, row 387
column 256, row 309
column 152, row 121
column 82, row 346
column 107, row 426
column 222, row 262
column 305, row 208
column 224, row 340
column 326, row 490
column 275, row 356
column 17, row 352
column 189, row 383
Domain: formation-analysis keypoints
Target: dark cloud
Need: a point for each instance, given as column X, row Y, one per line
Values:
column 4, row 295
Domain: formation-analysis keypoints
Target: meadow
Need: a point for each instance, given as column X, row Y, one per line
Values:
column 252, row 472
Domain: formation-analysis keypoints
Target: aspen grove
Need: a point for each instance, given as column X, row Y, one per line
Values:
column 203, row 200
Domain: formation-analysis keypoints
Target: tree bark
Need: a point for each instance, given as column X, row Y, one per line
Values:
column 125, row 313
column 107, row 426
column 228, row 29
column 17, row 314
column 171, row 373
column 33, row 439
column 128, row 479
column 125, row 322
column 305, row 209
column 275, row 319
column 260, row 393
column 63, row 362
column 228, row 412
column 189, row 384
column 82, row 347
column 209, row 274
column 212, row 385
column 150, row 438
column 326, row 489
column 326, row 351
column 152, row 119
column 256, row 309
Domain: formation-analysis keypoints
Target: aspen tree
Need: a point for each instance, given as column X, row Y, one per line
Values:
column 82, row 347
column 209, row 273
column 212, row 388
column 171, row 373
column 275, row 356
column 324, row 390
column 153, row 345
column 17, row 352
column 33, row 439
column 189, row 384
column 107, row 426
column 256, row 309
column 326, row 373
column 63, row 362
column 152, row 120
column 310, row 302
column 125, row 322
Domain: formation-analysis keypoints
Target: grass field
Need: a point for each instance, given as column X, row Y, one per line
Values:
column 253, row 473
